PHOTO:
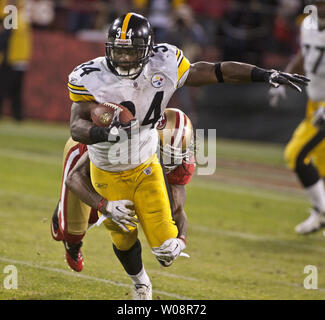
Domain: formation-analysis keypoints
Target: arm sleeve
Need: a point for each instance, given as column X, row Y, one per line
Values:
column 77, row 89
column 79, row 93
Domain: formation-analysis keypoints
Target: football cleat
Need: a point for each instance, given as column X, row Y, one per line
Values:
column 55, row 228
column 142, row 292
column 74, row 256
column 315, row 222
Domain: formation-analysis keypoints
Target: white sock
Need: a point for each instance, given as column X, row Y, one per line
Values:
column 316, row 195
column 140, row 278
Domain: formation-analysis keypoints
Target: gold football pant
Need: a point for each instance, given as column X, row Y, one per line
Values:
column 145, row 186
column 305, row 152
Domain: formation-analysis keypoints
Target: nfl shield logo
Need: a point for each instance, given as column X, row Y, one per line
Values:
column 147, row 171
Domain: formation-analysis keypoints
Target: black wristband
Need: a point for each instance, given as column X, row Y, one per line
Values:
column 260, row 75
column 218, row 72
column 98, row 134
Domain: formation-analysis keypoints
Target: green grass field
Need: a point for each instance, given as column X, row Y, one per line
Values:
column 241, row 229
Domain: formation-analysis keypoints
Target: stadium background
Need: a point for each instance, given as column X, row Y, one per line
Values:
column 264, row 32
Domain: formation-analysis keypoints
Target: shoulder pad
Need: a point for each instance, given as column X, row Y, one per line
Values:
column 80, row 80
column 76, row 77
column 171, row 60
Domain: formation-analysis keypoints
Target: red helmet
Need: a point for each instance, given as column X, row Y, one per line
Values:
column 176, row 138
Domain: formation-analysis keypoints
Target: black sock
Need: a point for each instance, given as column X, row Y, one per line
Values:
column 130, row 259
column 307, row 174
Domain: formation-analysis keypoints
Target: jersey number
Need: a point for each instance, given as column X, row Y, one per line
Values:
column 155, row 49
column 154, row 111
column 153, row 114
column 86, row 69
column 318, row 60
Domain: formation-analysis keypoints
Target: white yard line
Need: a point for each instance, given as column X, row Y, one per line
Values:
column 27, row 196
column 38, row 131
column 248, row 190
column 31, row 156
column 83, row 276
column 171, row 275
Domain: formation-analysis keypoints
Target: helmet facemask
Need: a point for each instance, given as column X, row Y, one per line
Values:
column 173, row 156
column 128, row 57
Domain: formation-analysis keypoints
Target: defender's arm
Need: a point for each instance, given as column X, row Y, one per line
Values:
column 78, row 181
column 178, row 198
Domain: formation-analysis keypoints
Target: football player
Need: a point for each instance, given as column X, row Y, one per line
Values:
column 80, row 204
column 143, row 76
column 305, row 152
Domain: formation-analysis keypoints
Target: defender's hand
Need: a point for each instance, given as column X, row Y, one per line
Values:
column 169, row 250
column 122, row 213
column 278, row 78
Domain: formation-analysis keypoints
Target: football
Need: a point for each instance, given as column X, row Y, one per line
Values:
column 103, row 114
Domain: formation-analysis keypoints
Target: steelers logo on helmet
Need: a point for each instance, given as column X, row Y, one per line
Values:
column 129, row 45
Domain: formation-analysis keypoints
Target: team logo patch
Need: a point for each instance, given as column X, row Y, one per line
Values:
column 157, row 80
column 147, row 171
column 162, row 122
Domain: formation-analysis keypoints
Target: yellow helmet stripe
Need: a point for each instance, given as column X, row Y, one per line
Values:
column 125, row 25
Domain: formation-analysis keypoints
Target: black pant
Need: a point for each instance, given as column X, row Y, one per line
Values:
column 11, row 87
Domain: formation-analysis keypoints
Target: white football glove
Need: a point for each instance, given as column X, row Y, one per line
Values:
column 169, row 250
column 122, row 213
column 319, row 118
column 276, row 94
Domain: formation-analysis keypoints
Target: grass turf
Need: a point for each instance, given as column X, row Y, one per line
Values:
column 241, row 239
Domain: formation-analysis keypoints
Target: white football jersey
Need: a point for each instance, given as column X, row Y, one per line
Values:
column 149, row 93
column 313, row 49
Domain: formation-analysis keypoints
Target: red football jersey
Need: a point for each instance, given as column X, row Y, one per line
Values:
column 182, row 174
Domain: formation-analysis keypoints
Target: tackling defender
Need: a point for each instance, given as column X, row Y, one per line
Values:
column 144, row 76
column 79, row 209
column 305, row 152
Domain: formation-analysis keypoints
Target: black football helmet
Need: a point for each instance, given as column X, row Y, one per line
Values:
column 129, row 45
